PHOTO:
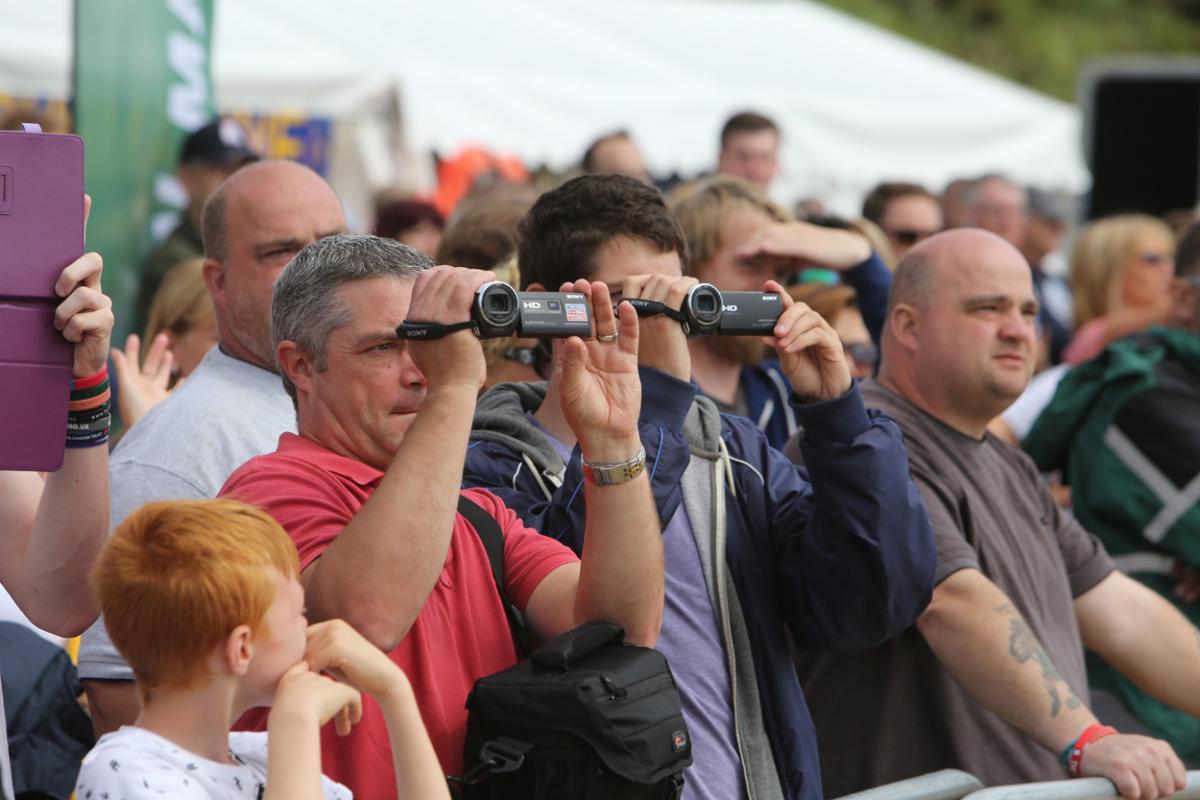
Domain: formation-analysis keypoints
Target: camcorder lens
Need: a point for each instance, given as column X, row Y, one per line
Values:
column 705, row 304
column 497, row 303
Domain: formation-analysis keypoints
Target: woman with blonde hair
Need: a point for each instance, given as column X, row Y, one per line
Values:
column 180, row 330
column 1121, row 271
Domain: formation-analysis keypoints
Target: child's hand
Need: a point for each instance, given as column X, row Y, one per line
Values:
column 304, row 692
column 336, row 648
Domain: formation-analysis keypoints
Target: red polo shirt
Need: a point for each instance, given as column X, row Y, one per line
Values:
column 461, row 633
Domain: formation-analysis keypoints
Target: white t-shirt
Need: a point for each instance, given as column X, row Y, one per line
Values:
column 133, row 763
column 1021, row 415
column 225, row 413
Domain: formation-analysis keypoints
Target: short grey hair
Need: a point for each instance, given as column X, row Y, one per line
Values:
column 212, row 225
column 305, row 307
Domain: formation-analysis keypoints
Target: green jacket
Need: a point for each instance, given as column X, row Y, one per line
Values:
column 1124, row 429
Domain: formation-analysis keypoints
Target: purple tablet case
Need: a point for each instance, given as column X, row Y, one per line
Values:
column 41, row 232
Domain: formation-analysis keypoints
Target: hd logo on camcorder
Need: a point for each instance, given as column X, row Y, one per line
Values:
column 531, row 304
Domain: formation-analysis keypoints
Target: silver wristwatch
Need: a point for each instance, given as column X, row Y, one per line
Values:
column 609, row 474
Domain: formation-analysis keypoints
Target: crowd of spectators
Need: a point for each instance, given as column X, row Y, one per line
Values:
column 939, row 516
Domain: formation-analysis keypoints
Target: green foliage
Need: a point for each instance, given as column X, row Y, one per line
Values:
column 1041, row 43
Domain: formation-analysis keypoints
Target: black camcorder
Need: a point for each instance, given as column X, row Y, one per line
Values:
column 500, row 310
column 707, row 310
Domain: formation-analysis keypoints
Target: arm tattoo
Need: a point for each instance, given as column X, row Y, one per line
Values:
column 1023, row 646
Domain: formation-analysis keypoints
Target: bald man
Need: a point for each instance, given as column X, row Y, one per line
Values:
column 991, row 679
column 233, row 406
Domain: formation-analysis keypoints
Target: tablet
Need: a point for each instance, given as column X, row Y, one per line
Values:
column 41, row 232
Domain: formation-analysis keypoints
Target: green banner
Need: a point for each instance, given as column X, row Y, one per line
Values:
column 143, row 81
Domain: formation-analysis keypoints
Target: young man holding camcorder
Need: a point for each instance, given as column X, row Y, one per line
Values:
column 750, row 554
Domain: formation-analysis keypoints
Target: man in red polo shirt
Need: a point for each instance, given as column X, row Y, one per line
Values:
column 369, row 488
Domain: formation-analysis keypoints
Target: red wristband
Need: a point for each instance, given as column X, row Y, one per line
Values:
column 90, row 380
column 1092, row 734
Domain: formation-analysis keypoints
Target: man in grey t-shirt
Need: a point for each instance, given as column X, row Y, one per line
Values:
column 991, row 679
column 233, row 407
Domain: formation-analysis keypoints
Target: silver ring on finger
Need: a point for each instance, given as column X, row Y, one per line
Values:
column 612, row 337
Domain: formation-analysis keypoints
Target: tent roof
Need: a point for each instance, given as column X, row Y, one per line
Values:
column 541, row 78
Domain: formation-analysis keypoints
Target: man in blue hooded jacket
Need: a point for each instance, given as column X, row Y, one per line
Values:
column 755, row 553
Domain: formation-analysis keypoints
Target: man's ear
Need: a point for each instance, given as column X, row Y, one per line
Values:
column 1185, row 302
column 214, row 278
column 238, row 650
column 904, row 324
column 298, row 367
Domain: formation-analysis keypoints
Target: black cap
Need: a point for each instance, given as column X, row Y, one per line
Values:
column 220, row 143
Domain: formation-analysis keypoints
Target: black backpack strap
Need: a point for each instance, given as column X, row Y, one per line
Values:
column 489, row 533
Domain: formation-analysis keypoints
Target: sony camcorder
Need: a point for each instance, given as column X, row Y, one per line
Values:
column 500, row 310
column 708, row 310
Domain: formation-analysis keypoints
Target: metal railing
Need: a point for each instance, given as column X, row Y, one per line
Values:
column 947, row 784
column 1080, row 789
column 953, row 784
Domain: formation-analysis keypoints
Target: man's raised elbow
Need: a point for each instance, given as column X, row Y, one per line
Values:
column 65, row 621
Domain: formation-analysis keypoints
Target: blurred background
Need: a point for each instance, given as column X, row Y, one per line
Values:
column 421, row 99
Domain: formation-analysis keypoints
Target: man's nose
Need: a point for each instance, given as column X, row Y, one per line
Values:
column 410, row 374
column 1018, row 327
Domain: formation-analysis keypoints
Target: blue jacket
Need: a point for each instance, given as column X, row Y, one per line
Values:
column 846, row 560
column 764, row 386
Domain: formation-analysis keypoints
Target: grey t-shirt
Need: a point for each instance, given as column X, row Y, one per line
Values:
column 894, row 712
column 227, row 412
column 692, row 644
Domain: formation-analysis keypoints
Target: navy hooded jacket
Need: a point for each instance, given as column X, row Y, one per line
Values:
column 844, row 561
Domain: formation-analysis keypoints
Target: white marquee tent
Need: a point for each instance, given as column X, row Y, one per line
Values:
column 540, row 78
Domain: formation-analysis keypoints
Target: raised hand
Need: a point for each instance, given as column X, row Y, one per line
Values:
column 662, row 344
column 305, row 696
column 803, row 244
column 810, row 352
column 598, row 379
column 143, row 383
column 445, row 294
column 335, row 647
column 85, row 315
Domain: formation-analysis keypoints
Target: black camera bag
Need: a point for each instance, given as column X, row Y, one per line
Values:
column 586, row 716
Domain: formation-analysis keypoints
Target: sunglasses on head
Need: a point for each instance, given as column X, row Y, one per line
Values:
column 909, row 237
column 1155, row 259
column 863, row 353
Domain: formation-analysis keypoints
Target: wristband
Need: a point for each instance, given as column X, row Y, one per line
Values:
column 1071, row 757
column 91, row 380
column 620, row 472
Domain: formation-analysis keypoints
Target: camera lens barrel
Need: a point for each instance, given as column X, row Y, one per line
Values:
column 496, row 310
column 702, row 307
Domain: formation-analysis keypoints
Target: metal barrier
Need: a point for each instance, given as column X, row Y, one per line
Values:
column 1080, row 789
column 947, row 784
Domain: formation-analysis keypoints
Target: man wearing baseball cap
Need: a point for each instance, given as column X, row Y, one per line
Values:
column 209, row 155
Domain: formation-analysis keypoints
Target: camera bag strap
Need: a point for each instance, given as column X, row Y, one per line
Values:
column 489, row 533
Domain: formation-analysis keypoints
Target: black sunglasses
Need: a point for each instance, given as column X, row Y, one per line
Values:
column 863, row 353
column 909, row 237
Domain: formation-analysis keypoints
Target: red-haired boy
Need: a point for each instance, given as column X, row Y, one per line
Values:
column 202, row 599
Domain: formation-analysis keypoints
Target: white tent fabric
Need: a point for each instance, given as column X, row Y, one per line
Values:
column 540, row 78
